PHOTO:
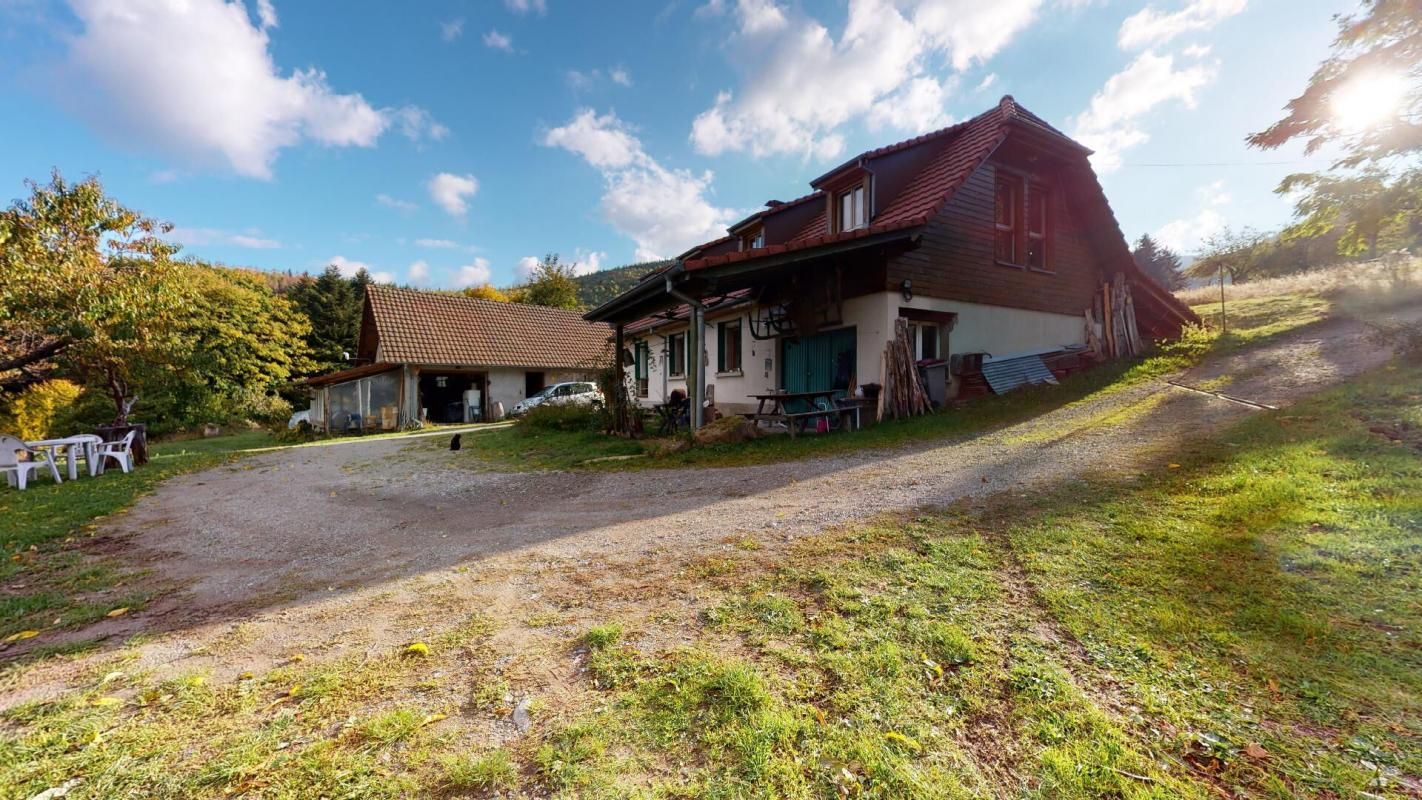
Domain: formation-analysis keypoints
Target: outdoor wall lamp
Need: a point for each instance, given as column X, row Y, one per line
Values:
column 907, row 288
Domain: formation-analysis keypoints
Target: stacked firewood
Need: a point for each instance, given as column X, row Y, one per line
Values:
column 903, row 394
column 1114, row 315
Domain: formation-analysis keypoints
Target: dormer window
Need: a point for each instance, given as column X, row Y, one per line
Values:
column 753, row 239
column 851, row 208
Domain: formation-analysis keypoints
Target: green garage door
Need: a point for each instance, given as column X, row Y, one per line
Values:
column 818, row 363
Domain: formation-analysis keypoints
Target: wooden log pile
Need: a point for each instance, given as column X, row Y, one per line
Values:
column 903, row 394
column 1113, row 313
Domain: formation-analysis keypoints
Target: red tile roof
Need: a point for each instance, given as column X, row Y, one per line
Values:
column 415, row 327
column 964, row 147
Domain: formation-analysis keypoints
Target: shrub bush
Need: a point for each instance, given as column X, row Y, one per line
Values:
column 571, row 418
column 44, row 410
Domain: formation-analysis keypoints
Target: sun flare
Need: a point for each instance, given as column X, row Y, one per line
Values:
column 1369, row 100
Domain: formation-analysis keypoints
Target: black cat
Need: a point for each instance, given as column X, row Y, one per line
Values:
column 454, row 443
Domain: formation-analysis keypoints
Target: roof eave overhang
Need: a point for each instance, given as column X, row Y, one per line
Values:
column 623, row 308
column 774, row 260
column 650, row 296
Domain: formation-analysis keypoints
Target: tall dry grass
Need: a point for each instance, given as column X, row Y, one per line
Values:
column 1388, row 281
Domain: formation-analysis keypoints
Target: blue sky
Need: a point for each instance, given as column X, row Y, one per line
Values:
column 446, row 143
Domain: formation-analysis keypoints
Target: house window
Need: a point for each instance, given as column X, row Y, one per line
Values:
column 676, row 354
column 728, row 346
column 928, row 341
column 852, row 208
column 1038, row 202
column 639, row 372
column 753, row 240
column 1005, row 218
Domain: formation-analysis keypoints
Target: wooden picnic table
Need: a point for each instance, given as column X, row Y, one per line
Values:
column 795, row 419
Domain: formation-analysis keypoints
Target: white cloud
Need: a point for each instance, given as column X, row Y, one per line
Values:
column 475, row 274
column 527, row 6
column 419, row 272
column 266, row 14
column 603, row 141
column 1151, row 26
column 664, row 211
column 583, row 80
column 1112, row 123
column 451, row 30
column 198, row 237
column 988, row 81
column 348, row 268
column 437, row 244
column 452, row 192
column 196, row 80
column 585, row 263
column 1186, row 235
column 396, row 203
column 802, row 83
column 498, row 41
column 417, row 124
column 526, row 267
column 916, row 108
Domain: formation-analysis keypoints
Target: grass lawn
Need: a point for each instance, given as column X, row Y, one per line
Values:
column 46, row 581
column 1242, row 622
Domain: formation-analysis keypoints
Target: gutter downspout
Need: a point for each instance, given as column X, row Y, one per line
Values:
column 695, row 345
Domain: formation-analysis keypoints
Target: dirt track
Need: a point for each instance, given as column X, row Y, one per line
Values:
column 360, row 546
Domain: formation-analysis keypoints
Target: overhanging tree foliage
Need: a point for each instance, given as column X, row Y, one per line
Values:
column 1382, row 42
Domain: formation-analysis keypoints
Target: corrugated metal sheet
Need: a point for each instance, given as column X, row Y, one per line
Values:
column 1006, row 374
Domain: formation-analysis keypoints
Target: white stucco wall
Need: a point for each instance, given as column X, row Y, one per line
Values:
column 997, row 330
column 505, row 386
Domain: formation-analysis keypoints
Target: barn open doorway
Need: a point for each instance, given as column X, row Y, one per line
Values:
column 453, row 396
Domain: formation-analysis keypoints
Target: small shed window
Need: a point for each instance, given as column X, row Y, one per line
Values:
column 754, row 239
column 676, row 354
column 728, row 346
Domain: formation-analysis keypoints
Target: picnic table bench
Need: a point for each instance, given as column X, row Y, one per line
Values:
column 795, row 420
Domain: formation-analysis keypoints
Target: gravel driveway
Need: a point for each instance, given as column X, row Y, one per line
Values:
column 342, row 547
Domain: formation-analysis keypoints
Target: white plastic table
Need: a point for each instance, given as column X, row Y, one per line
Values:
column 88, row 441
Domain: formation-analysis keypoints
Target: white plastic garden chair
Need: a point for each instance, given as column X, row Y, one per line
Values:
column 17, row 472
column 118, row 451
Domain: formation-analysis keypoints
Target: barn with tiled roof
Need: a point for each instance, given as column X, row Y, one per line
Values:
column 443, row 357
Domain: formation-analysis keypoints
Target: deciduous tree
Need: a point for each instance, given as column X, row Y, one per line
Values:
column 88, row 284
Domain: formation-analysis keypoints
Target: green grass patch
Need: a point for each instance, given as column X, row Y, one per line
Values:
column 47, row 524
column 1243, row 624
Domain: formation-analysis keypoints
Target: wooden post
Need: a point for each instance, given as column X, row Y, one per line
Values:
column 1224, row 327
column 619, row 396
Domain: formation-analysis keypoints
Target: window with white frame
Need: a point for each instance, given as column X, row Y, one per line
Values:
column 852, row 208
column 676, row 354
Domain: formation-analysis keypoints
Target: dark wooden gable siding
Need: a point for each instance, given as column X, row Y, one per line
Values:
column 955, row 259
column 369, row 340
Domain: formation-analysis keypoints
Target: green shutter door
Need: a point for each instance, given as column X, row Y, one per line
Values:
column 818, row 363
